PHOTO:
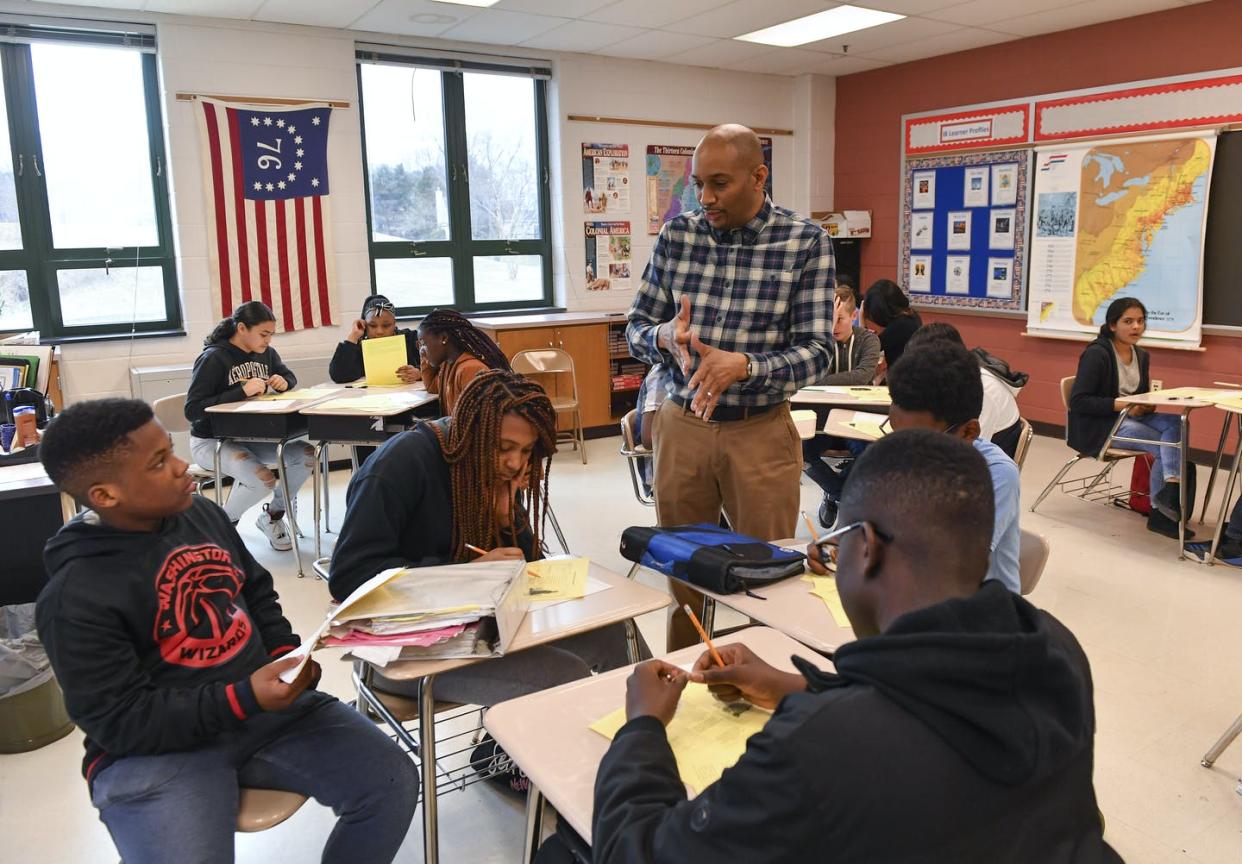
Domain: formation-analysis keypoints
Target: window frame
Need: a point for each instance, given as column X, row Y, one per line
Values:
column 461, row 249
column 39, row 256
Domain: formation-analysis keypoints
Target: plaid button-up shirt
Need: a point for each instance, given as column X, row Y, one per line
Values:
column 764, row 289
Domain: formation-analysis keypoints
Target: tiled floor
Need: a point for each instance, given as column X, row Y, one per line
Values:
column 1162, row 636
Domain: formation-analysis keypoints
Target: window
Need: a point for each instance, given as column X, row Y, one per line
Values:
column 85, row 227
column 457, row 185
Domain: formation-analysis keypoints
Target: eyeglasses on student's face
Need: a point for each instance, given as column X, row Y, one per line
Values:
column 829, row 542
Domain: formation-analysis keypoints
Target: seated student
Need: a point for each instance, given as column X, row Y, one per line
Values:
column 237, row 363
column 1230, row 548
column 428, row 492
column 162, row 630
column 378, row 319
column 936, row 386
column 1111, row 366
column 855, row 357
column 886, row 311
column 958, row 728
column 1000, row 421
column 651, row 396
column 453, row 353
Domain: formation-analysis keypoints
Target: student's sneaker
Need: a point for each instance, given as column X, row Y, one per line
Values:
column 1230, row 551
column 1158, row 523
column 274, row 528
column 496, row 765
column 827, row 513
column 1168, row 501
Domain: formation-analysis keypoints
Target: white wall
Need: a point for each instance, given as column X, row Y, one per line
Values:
column 257, row 59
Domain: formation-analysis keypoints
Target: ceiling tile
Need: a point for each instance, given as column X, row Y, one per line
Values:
column 778, row 61
column 582, row 36
column 497, row 27
column 317, row 13
column 209, row 8
column 103, row 4
column 907, row 7
column 980, row 13
column 651, row 13
column 948, row 43
column 1080, row 15
column 656, row 45
column 746, row 16
column 720, row 54
column 883, row 36
column 397, row 16
column 560, row 8
column 849, row 65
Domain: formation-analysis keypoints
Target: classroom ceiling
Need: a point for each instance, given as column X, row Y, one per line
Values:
column 691, row 32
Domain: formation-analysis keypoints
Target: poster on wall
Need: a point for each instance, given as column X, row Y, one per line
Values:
column 958, row 248
column 606, row 178
column 607, row 256
column 669, row 189
column 1121, row 218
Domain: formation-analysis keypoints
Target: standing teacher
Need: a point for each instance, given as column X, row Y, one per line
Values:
column 737, row 300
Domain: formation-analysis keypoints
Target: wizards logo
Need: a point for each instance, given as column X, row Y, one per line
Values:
column 197, row 623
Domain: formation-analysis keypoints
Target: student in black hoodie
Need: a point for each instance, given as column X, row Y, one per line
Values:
column 162, row 630
column 378, row 319
column 428, row 494
column 1111, row 366
column 958, row 727
column 238, row 363
column 886, row 311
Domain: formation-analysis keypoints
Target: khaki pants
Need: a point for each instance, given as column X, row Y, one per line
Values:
column 749, row 467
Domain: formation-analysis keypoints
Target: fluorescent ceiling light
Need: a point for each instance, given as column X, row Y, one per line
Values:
column 479, row 3
column 821, row 25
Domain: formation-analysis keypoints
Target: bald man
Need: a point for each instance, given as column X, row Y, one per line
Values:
column 737, row 301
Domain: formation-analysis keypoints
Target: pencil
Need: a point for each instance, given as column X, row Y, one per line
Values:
column 474, row 548
column 810, row 527
column 694, row 619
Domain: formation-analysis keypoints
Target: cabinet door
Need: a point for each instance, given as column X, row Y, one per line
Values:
column 513, row 341
column 588, row 345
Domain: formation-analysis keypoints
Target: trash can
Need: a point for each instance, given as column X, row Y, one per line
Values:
column 32, row 708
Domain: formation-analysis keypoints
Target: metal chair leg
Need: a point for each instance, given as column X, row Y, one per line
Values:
column 1055, row 480
column 1224, row 741
column 1108, row 469
column 556, row 528
column 1220, row 455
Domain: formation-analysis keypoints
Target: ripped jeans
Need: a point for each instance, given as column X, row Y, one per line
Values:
column 247, row 464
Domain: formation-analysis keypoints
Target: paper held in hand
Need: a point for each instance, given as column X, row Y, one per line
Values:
column 381, row 358
column 707, row 736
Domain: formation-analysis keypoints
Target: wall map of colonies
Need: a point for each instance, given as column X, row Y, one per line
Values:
column 1121, row 218
column 964, row 230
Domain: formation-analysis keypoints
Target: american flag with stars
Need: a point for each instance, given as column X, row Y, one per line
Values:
column 268, row 225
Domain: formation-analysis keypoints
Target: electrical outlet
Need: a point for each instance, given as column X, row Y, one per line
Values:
column 1156, row 384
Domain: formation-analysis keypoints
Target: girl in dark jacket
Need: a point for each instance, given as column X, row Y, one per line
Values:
column 1112, row 366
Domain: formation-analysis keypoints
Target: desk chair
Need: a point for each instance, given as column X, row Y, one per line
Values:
column 170, row 411
column 260, row 809
column 1033, row 551
column 1025, row 434
column 555, row 361
column 1084, row 487
column 633, row 451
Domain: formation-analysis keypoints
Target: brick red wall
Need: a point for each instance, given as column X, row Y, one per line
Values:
column 1194, row 38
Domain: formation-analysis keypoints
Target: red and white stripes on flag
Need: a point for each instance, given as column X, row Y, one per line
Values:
column 277, row 251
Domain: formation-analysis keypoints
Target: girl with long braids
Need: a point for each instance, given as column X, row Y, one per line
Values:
column 429, row 491
column 453, row 352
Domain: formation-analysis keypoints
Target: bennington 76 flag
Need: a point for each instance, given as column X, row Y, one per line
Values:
column 266, row 178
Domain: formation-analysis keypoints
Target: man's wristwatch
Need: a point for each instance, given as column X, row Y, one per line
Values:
column 750, row 369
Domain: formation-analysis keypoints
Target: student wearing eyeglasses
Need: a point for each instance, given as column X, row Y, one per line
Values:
column 378, row 319
column 958, row 727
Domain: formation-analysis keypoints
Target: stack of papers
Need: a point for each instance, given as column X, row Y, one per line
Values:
column 424, row 612
column 870, row 428
column 825, row 588
column 558, row 578
column 707, row 736
column 303, row 393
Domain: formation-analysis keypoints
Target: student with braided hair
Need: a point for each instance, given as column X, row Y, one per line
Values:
column 427, row 492
column 453, row 352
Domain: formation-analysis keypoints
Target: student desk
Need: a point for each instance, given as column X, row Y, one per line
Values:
column 31, row 510
column 623, row 601
column 839, row 418
column 822, row 397
column 546, row 733
column 1222, row 518
column 1162, row 402
column 329, row 422
column 257, row 420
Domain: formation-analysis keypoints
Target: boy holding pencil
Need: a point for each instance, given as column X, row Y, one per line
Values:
column 958, row 727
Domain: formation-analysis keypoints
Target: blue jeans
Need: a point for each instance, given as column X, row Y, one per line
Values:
column 1234, row 529
column 1155, row 427
column 817, row 469
column 182, row 806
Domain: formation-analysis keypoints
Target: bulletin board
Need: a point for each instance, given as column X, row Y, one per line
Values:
column 964, row 230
